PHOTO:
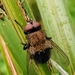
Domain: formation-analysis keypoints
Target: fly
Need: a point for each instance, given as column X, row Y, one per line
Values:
column 39, row 46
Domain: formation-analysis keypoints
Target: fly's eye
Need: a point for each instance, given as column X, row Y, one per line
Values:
column 31, row 27
column 28, row 27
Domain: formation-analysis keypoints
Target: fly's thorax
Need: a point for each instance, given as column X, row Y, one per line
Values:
column 40, row 48
column 36, row 38
column 38, row 42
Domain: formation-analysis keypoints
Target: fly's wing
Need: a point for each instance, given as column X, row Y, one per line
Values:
column 28, row 63
column 30, row 69
column 31, row 66
column 58, row 55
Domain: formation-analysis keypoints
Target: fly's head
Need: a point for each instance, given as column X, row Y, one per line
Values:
column 31, row 27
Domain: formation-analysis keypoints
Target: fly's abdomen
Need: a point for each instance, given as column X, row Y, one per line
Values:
column 42, row 57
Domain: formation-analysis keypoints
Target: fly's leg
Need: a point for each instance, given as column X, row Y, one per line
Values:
column 25, row 46
column 48, row 38
column 31, row 56
column 49, row 66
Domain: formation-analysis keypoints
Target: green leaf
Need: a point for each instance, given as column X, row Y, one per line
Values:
column 13, row 42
